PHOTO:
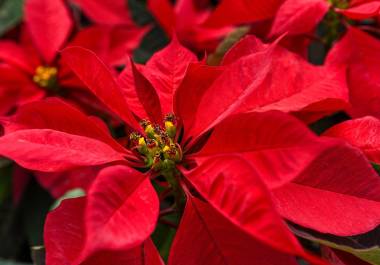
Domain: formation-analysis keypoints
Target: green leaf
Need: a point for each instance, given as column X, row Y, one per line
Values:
column 74, row 193
column 11, row 12
column 376, row 167
column 163, row 235
column 9, row 262
column 356, row 245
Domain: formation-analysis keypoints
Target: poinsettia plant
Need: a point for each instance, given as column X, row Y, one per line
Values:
column 183, row 141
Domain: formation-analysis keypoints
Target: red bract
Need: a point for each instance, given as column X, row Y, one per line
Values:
column 362, row 133
column 256, row 76
column 113, row 12
column 230, row 12
column 297, row 17
column 186, row 20
column 50, row 28
column 32, row 68
column 361, row 9
column 66, row 242
column 359, row 53
column 266, row 155
column 211, row 228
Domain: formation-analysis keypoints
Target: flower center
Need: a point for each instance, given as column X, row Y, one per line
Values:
column 45, row 76
column 158, row 146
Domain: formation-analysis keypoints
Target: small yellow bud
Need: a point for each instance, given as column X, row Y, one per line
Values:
column 149, row 130
column 170, row 128
column 142, row 141
column 40, row 70
column 45, row 76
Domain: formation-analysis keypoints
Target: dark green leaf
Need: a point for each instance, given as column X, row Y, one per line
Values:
column 152, row 42
column 365, row 247
column 10, row 14
column 139, row 12
column 163, row 235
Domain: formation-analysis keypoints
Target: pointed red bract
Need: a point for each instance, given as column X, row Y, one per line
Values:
column 244, row 47
column 64, row 237
column 112, row 44
column 230, row 12
column 113, row 12
column 55, row 114
column 338, row 194
column 16, row 89
column 233, row 188
column 257, row 83
column 164, row 13
column 189, row 94
column 166, row 70
column 362, row 10
column 121, row 212
column 50, row 150
column 13, row 54
column 263, row 138
column 206, row 237
column 363, row 133
column 58, row 183
column 95, row 75
column 298, row 17
column 185, row 19
column 128, row 88
column 359, row 53
column 147, row 95
column 49, row 23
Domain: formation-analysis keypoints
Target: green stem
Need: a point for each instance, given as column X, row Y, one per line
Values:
column 172, row 177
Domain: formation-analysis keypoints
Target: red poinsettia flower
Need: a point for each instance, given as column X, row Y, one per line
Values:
column 266, row 147
column 201, row 26
column 31, row 69
column 300, row 17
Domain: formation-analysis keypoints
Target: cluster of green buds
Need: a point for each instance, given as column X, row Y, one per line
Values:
column 45, row 76
column 158, row 146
